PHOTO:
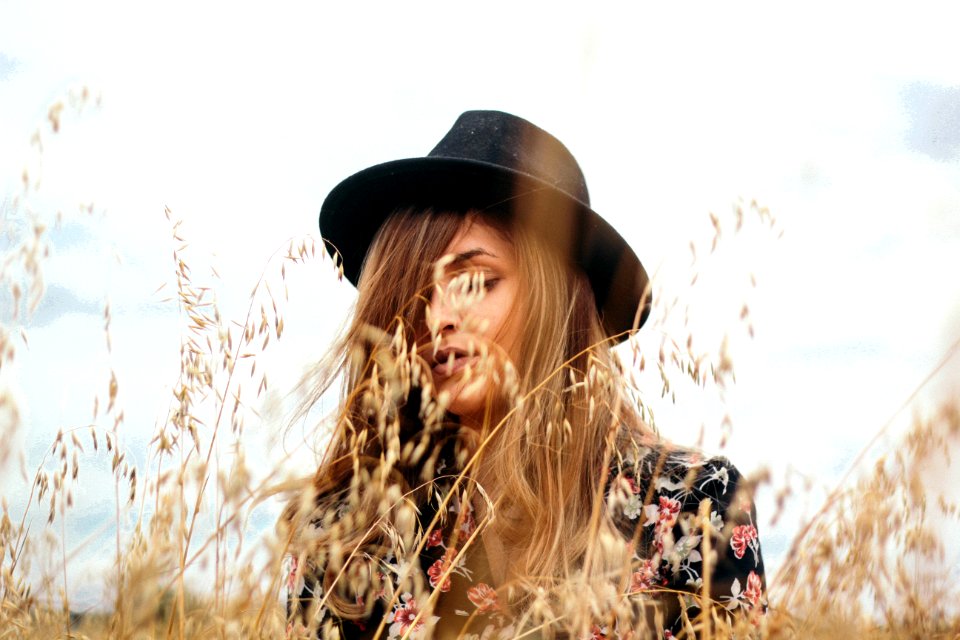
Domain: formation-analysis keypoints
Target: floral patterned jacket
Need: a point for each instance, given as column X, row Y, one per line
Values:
column 654, row 501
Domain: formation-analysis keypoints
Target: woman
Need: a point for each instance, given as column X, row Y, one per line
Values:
column 489, row 474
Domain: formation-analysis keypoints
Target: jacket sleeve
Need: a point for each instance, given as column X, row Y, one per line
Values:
column 738, row 582
column 724, row 554
column 679, row 555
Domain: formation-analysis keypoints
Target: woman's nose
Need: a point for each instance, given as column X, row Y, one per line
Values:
column 442, row 317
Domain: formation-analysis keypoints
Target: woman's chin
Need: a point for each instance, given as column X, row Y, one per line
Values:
column 468, row 400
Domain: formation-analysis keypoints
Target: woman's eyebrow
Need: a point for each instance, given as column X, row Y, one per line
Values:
column 466, row 256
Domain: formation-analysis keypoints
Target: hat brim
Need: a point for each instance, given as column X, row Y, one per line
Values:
column 356, row 208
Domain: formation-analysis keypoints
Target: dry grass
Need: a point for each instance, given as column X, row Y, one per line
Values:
column 868, row 565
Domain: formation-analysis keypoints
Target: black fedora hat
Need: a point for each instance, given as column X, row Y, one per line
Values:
column 499, row 162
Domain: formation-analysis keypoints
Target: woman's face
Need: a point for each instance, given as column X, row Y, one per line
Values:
column 473, row 319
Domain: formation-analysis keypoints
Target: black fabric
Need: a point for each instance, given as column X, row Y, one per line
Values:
column 664, row 488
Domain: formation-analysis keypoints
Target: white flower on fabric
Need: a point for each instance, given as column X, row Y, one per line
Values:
column 665, row 484
column 721, row 474
column 716, row 521
column 652, row 512
column 684, row 549
column 634, row 507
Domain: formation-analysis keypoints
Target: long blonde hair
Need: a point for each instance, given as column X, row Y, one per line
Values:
column 548, row 445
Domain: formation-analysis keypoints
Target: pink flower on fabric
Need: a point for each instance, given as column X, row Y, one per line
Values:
column 597, row 633
column 754, row 590
column 744, row 536
column 484, row 597
column 644, row 577
column 382, row 593
column 669, row 510
column 435, row 572
column 403, row 615
column 467, row 523
column 435, row 539
column 663, row 516
column 292, row 575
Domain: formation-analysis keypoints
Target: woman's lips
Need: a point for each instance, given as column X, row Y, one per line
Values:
column 448, row 367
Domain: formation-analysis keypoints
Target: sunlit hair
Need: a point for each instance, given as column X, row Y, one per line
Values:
column 543, row 452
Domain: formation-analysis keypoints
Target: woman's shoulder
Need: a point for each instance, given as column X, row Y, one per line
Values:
column 678, row 506
column 679, row 478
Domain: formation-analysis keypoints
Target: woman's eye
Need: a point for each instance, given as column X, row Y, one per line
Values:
column 484, row 280
column 472, row 281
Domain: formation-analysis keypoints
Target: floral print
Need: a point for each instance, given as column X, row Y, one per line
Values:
column 668, row 557
column 405, row 618
column 435, row 539
column 749, row 598
column 644, row 578
column 436, row 571
column 754, row 591
column 484, row 597
column 744, row 537
column 467, row 522
column 598, row 633
column 655, row 499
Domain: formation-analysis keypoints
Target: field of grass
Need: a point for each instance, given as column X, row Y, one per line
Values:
column 869, row 564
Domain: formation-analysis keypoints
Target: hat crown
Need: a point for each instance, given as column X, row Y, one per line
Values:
column 508, row 141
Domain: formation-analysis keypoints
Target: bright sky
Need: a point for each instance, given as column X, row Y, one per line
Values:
column 844, row 122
